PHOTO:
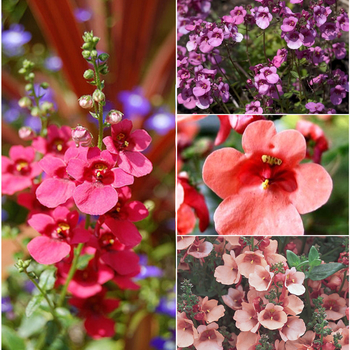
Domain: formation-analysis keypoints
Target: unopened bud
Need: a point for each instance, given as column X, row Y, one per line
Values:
column 44, row 85
column 103, row 57
column 25, row 102
column 26, row 263
column 26, row 133
column 31, row 76
column 94, row 54
column 98, row 95
column 95, row 39
column 29, row 87
column 114, row 117
column 86, row 54
column 81, row 136
column 86, row 101
column 89, row 74
column 47, row 107
column 35, row 112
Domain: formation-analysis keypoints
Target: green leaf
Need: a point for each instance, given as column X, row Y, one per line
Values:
column 316, row 263
column 10, row 340
column 288, row 95
column 33, row 304
column 321, row 272
column 313, row 254
column 293, row 259
column 52, row 331
column 294, row 74
column 31, row 325
column 47, row 279
column 94, row 115
column 83, row 261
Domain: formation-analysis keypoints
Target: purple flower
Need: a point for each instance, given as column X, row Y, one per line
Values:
column 253, row 108
column 309, row 36
column 161, row 121
column 237, row 15
column 167, row 306
column 186, row 98
column 147, row 270
column 204, row 45
column 329, row 31
column 280, row 57
column 339, row 50
column 314, row 108
column 204, row 101
column 134, row 102
column 289, row 24
column 317, row 55
column 6, row 305
column 13, row 40
column 320, row 14
column 337, row 94
column 202, row 87
column 53, row 63
column 262, row 17
column 216, row 37
column 343, row 22
column 270, row 74
column 192, row 43
column 319, row 79
column 261, row 84
column 294, row 40
column 196, row 58
column 273, row 92
column 82, row 15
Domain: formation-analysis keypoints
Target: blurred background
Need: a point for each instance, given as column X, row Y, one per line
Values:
column 140, row 39
column 196, row 142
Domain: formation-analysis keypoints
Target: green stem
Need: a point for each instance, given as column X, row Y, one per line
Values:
column 100, row 107
column 77, row 252
column 264, row 45
column 307, row 298
column 280, row 98
column 342, row 284
column 246, row 44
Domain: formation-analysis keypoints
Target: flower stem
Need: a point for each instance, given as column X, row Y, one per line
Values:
column 100, row 107
column 307, row 298
column 342, row 284
column 264, row 45
column 77, row 252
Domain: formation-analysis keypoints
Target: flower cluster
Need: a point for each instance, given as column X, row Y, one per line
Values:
column 260, row 297
column 209, row 74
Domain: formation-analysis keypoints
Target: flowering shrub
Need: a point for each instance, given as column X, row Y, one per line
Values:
column 264, row 178
column 262, row 58
column 90, row 231
column 259, row 293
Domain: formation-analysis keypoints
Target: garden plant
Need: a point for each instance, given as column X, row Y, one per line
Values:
column 263, row 293
column 262, row 57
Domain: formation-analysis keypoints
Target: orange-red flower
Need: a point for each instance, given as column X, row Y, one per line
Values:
column 266, row 188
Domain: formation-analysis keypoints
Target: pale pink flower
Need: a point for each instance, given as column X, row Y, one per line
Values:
column 212, row 310
column 228, row 273
column 248, row 260
column 200, row 248
column 209, row 338
column 186, row 331
column 272, row 317
column 247, row 318
column 293, row 329
column 234, row 298
column 293, row 305
column 261, row 278
column 184, row 242
column 294, row 281
column 335, row 306
column 303, row 343
column 247, row 341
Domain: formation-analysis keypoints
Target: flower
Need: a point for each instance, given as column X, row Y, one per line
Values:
column 19, row 170
column 228, row 273
column 293, row 329
column 134, row 102
column 186, row 332
column 127, row 146
column 294, row 281
column 272, row 317
column 246, row 319
column 13, row 40
column 209, row 338
column 265, row 189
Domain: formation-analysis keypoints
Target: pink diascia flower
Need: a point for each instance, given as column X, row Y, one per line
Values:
column 19, row 170
column 209, row 338
column 58, row 233
column 265, row 189
column 128, row 146
column 99, row 178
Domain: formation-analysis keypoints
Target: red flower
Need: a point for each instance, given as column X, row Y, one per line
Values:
column 265, row 189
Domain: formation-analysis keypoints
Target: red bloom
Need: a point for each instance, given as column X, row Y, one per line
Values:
column 95, row 310
column 265, row 189
column 19, row 170
column 128, row 146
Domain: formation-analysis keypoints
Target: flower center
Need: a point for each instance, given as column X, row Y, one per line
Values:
column 63, row 230
column 271, row 160
column 22, row 166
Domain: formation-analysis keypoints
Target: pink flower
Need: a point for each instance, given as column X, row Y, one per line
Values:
column 95, row 310
column 19, row 170
column 186, row 332
column 128, row 146
column 247, row 262
column 293, row 329
column 261, row 278
column 209, row 338
column 335, row 306
column 247, row 318
column 228, row 273
column 200, row 248
column 234, row 298
column 212, row 311
column 294, row 281
column 99, row 179
column 247, row 341
column 59, row 232
column 265, row 189
column 272, row 317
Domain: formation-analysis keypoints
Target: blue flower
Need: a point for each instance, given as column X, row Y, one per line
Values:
column 82, row 15
column 146, row 270
column 53, row 63
column 13, row 40
column 161, row 121
column 134, row 102
column 167, row 306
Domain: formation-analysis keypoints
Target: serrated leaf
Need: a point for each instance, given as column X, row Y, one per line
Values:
column 294, row 74
column 33, row 304
column 47, row 279
column 10, row 340
column 292, row 258
column 323, row 271
column 83, row 261
column 313, row 254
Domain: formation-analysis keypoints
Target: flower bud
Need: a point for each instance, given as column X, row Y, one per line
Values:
column 31, row 76
column 81, row 136
column 103, row 57
column 89, row 74
column 28, row 87
column 95, row 39
column 35, row 112
column 94, row 54
column 26, row 133
column 86, row 101
column 86, row 54
column 86, row 46
column 114, row 117
column 25, row 102
column 44, row 85
column 47, row 107
column 98, row 95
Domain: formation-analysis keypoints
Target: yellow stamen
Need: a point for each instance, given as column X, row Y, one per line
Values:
column 21, row 165
column 263, row 278
column 63, row 226
column 126, row 143
column 252, row 261
column 100, row 166
column 330, row 308
column 265, row 184
column 271, row 318
column 59, row 147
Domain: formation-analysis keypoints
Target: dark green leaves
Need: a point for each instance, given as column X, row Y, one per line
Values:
column 321, row 272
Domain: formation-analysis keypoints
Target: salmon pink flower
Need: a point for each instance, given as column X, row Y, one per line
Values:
column 248, row 261
column 209, row 338
column 200, row 248
column 335, row 306
column 247, row 318
column 234, row 298
column 272, row 317
column 59, row 232
column 294, row 281
column 99, row 179
column 212, row 311
column 19, row 170
column 128, row 146
column 261, row 278
column 247, row 341
column 186, row 332
column 228, row 273
column 265, row 189
column 293, row 329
